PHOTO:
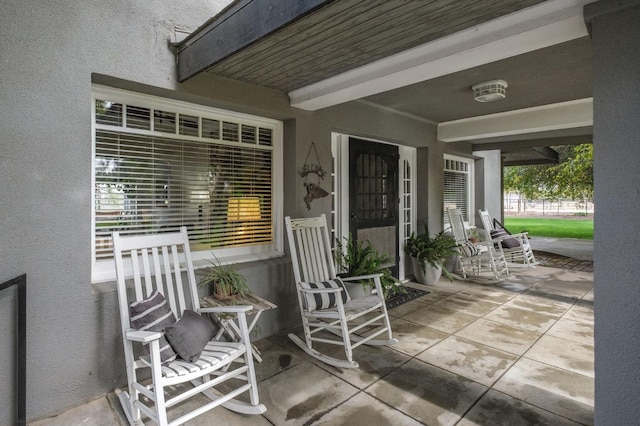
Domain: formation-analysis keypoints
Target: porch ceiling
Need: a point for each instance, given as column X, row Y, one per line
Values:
column 324, row 52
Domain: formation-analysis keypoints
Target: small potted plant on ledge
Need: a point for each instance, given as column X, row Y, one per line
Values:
column 429, row 255
column 227, row 282
column 357, row 258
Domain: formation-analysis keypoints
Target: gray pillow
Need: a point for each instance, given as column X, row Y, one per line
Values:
column 326, row 300
column 507, row 242
column 190, row 335
column 154, row 314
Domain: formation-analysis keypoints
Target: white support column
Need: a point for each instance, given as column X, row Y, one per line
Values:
column 489, row 188
column 616, row 94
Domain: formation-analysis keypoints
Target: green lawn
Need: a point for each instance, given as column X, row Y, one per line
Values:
column 561, row 228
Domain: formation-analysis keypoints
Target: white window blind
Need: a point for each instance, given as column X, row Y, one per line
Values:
column 457, row 185
column 158, row 168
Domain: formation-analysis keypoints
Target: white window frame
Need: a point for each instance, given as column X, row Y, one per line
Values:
column 408, row 180
column 470, row 220
column 104, row 270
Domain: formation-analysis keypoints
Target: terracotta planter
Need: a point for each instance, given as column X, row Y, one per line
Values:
column 222, row 295
column 429, row 275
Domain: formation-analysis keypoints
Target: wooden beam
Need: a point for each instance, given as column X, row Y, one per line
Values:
column 241, row 24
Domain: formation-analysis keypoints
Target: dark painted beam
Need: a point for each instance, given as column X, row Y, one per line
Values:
column 515, row 146
column 529, row 156
column 520, row 162
column 242, row 24
column 547, row 153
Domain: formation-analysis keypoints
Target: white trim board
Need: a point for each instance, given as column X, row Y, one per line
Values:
column 563, row 115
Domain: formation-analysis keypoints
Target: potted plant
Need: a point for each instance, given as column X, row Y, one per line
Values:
column 356, row 258
column 227, row 282
column 429, row 255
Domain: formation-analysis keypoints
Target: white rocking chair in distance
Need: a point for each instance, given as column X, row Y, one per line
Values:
column 476, row 258
column 517, row 250
column 325, row 303
column 158, row 264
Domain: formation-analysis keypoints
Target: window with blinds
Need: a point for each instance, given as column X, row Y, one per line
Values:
column 457, row 185
column 158, row 167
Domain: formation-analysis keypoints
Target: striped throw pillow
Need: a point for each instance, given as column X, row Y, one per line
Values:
column 324, row 300
column 468, row 249
column 154, row 314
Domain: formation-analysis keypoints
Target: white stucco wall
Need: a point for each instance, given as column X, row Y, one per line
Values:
column 48, row 51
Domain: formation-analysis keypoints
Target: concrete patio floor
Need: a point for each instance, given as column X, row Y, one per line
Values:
column 515, row 353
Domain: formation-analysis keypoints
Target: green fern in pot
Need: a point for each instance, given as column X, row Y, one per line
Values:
column 430, row 253
column 356, row 258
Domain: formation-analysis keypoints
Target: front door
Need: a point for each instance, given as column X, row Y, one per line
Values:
column 373, row 196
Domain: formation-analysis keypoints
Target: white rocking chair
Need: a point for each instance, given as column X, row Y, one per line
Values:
column 325, row 303
column 154, row 262
column 476, row 258
column 516, row 247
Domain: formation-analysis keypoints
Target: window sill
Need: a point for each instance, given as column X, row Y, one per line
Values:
column 105, row 280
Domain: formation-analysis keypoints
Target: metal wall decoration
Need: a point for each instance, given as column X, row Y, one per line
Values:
column 313, row 173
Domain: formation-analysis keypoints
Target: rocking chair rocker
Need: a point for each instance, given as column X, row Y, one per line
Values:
column 325, row 304
column 159, row 297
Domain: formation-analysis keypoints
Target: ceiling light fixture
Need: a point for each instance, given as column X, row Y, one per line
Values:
column 490, row 90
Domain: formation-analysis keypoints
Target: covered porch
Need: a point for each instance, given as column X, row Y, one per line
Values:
column 49, row 167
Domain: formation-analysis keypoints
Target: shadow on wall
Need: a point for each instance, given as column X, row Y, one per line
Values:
column 279, row 272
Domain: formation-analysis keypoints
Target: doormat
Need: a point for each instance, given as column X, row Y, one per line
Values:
column 399, row 299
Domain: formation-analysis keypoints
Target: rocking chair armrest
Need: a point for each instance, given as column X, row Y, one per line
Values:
column 484, row 243
column 320, row 290
column 506, row 237
column 235, row 309
column 142, row 336
column 361, row 277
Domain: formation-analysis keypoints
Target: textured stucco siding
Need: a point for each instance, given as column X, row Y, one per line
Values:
column 48, row 51
column 616, row 38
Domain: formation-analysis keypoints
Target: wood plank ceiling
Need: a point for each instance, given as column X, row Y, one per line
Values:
column 327, row 39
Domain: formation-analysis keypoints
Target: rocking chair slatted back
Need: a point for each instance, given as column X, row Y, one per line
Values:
column 156, row 268
column 313, row 256
column 456, row 220
column 487, row 223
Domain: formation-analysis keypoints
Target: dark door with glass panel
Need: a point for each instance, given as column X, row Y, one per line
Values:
column 373, row 196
